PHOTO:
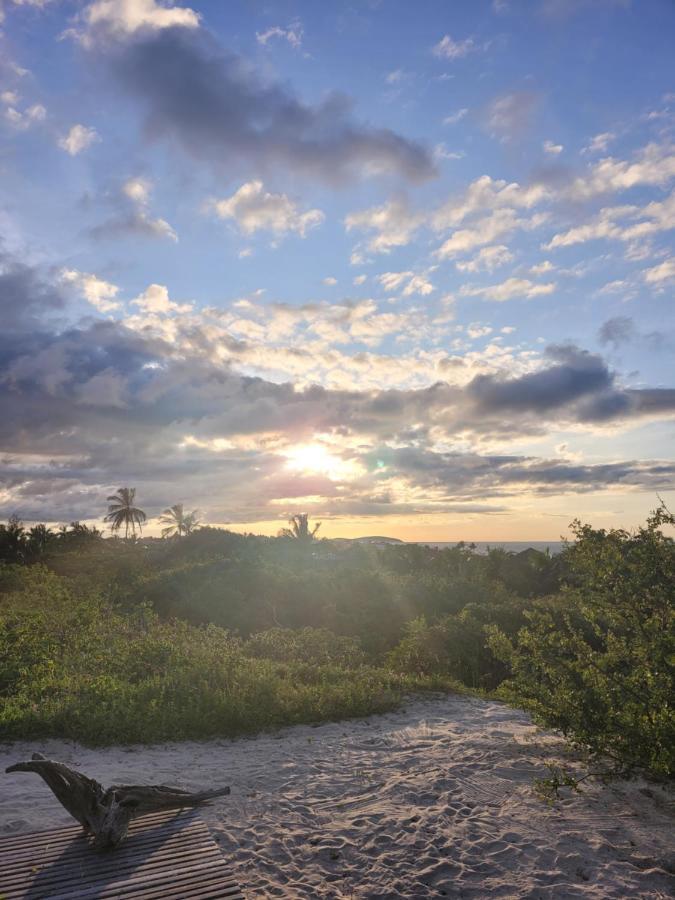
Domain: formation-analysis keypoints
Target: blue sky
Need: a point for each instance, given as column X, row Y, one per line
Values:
column 407, row 267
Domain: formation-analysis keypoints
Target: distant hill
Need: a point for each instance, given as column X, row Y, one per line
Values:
column 377, row 539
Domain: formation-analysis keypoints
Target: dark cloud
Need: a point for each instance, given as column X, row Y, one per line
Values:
column 26, row 299
column 218, row 109
column 574, row 375
column 616, row 331
column 98, row 404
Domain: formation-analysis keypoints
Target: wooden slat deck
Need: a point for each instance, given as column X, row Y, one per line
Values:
column 166, row 855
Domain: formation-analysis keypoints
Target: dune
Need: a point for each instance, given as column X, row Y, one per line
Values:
column 434, row 800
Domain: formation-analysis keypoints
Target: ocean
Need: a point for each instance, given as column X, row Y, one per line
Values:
column 511, row 546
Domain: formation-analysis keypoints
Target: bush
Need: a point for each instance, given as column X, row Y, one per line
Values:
column 78, row 667
column 597, row 662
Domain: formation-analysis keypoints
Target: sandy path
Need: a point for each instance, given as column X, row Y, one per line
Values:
column 434, row 800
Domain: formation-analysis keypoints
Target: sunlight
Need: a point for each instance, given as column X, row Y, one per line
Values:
column 315, row 459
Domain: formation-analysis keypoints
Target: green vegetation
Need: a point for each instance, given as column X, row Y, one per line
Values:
column 216, row 633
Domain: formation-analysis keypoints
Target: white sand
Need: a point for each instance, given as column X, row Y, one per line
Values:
column 435, row 800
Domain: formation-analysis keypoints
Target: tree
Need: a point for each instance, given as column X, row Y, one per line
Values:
column 596, row 662
column 177, row 522
column 121, row 511
column 300, row 530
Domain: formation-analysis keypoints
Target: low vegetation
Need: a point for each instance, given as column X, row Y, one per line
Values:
column 214, row 633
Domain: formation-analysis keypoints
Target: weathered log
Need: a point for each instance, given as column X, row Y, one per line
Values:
column 106, row 813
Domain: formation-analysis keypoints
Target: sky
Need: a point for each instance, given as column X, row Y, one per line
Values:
column 406, row 267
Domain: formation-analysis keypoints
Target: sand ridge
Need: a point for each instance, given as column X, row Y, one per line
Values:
column 433, row 800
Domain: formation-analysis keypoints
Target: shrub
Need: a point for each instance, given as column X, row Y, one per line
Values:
column 597, row 662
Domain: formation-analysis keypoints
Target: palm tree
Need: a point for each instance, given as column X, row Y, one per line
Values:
column 121, row 511
column 177, row 521
column 300, row 529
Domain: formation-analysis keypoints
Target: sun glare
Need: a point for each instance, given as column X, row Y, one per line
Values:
column 315, row 459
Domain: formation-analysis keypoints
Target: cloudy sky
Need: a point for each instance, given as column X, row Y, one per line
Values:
column 408, row 267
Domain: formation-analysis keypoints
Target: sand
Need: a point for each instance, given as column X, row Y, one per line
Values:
column 434, row 800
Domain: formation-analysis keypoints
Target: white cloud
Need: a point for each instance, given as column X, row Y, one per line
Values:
column 622, row 223
column 442, row 152
column 553, row 149
column 455, row 117
column 653, row 165
column 599, row 143
column 507, row 290
column 360, row 279
column 394, row 223
column 488, row 259
column 487, row 194
column 542, row 268
column 254, row 209
column 447, row 48
column 500, row 223
column 664, row 272
column 99, row 293
column 293, row 34
column 78, row 139
column 477, row 330
column 23, row 120
column 409, row 281
column 155, row 301
column 137, row 190
column 122, row 18
column 330, row 281
column 11, row 98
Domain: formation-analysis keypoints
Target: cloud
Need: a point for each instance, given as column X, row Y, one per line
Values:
column 622, row 223
column 496, row 226
column 663, row 273
column 409, row 282
column 28, row 299
column 551, row 148
column 507, row 290
column 394, row 223
column 488, row 259
column 509, row 116
column 215, row 106
column 21, row 121
column 133, row 216
column 447, row 48
column 293, row 34
column 653, row 165
column 574, row 375
column 155, row 301
column 254, row 209
column 542, row 268
column 101, row 294
column 616, row 331
column 79, row 138
column 600, row 142
column 330, row 281
column 455, row 117
column 123, row 18
column 165, row 396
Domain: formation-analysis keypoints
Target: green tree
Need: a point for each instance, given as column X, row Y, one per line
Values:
column 300, row 530
column 121, row 511
column 596, row 662
column 177, row 522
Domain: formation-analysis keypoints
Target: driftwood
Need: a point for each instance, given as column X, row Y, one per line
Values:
column 106, row 814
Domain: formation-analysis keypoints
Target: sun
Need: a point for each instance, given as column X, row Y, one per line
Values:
column 313, row 459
